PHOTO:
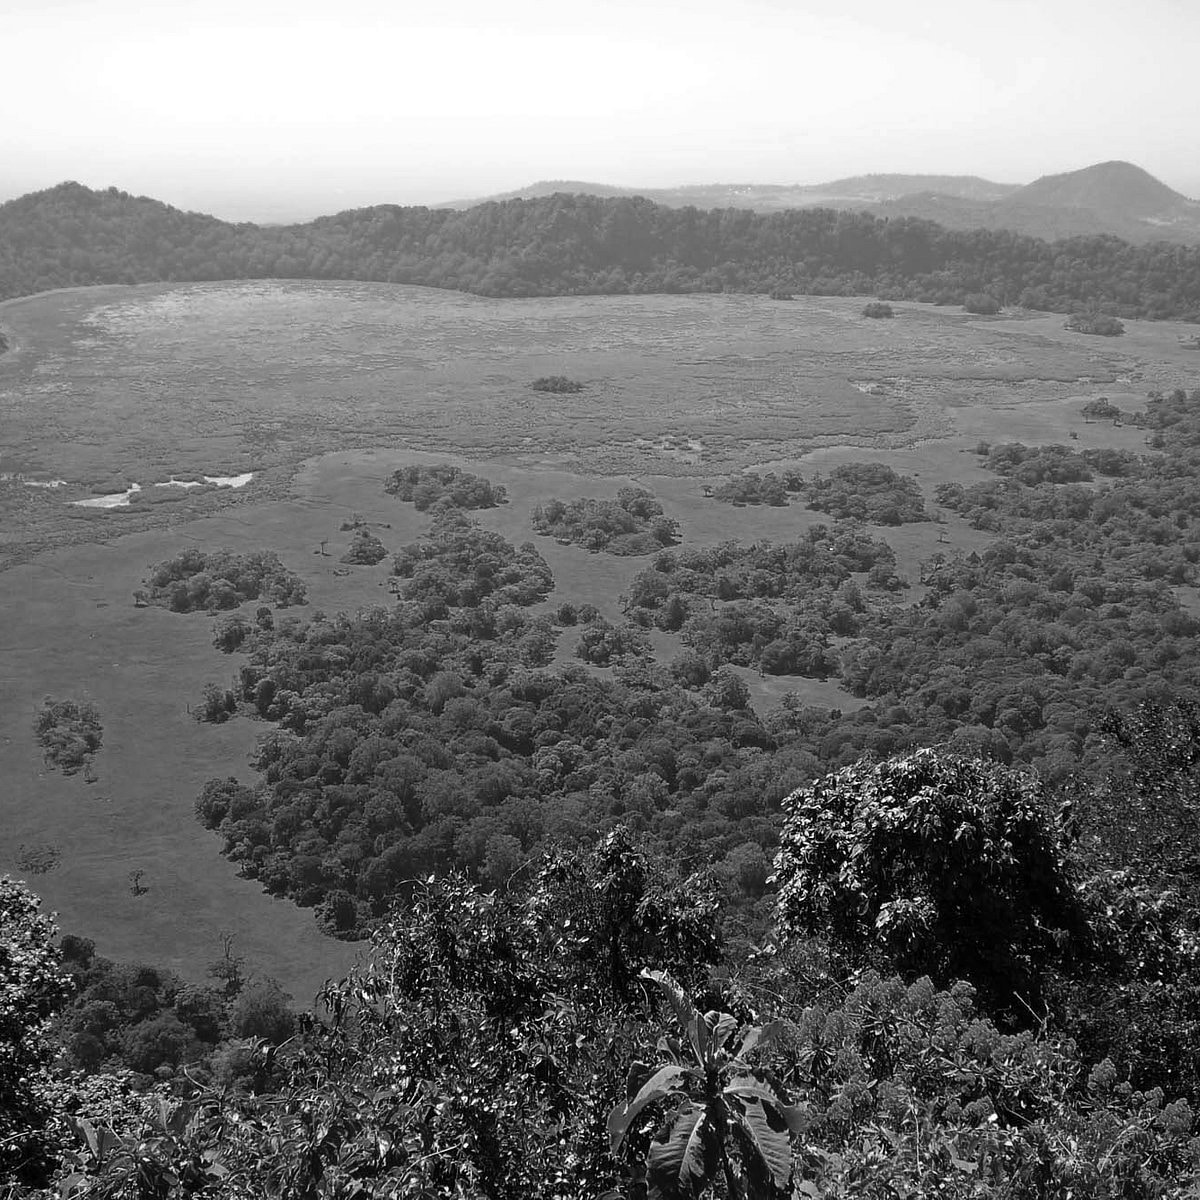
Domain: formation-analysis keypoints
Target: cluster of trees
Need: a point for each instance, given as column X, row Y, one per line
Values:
column 865, row 491
column 212, row 580
column 562, row 244
column 861, row 491
column 460, row 565
column 69, row 733
column 443, row 485
column 633, row 523
column 1033, row 465
column 960, row 993
column 602, row 643
column 365, row 549
column 771, row 606
column 753, row 488
column 146, row 1020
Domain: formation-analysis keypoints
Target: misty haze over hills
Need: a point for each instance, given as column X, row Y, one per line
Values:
column 1112, row 197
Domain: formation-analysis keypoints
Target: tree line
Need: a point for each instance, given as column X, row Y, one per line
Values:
column 563, row 244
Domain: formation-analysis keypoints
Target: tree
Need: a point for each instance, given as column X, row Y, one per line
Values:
column 946, row 865
column 261, row 1010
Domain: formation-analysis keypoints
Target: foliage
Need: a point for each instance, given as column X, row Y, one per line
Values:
column 70, row 235
column 910, row 1093
column 774, row 607
column 752, row 488
column 981, row 304
column 558, row 384
column 462, row 565
column 633, row 523
column 69, row 733
column 220, row 579
column 231, row 632
column 217, row 704
column 934, row 863
column 1095, row 322
column 602, row 643
column 867, row 491
column 145, row 1019
column 726, row 1116
column 32, row 987
column 442, row 485
column 365, row 549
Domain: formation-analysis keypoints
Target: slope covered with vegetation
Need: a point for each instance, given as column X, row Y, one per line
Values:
column 568, row 245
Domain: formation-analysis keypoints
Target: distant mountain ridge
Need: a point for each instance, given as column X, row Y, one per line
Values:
column 1116, row 197
column 854, row 191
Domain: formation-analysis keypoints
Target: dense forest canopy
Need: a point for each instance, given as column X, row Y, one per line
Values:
column 71, row 235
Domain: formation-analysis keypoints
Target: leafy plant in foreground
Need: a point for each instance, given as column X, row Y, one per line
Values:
column 725, row 1116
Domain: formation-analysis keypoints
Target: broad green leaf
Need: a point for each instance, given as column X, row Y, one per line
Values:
column 682, row 1165
column 684, row 1009
column 767, row 1130
column 655, row 1088
column 722, row 1026
column 639, row 1072
column 757, row 1035
column 753, row 1088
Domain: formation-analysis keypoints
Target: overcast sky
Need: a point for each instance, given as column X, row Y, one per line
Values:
column 260, row 109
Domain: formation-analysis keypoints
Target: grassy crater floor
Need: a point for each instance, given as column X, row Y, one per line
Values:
column 322, row 390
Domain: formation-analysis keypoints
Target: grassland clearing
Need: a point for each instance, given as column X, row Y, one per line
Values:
column 321, row 391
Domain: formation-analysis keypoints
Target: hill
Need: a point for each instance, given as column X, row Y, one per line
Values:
column 852, row 192
column 1115, row 198
column 560, row 244
column 1117, row 187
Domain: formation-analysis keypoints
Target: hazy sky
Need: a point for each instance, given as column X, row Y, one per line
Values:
column 258, row 109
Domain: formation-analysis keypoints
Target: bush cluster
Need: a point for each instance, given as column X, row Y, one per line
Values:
column 199, row 580
column 444, row 486
column 69, row 733
column 633, row 523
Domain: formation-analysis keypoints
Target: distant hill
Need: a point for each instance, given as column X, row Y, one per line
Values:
column 1117, row 187
column 1116, row 198
column 854, row 192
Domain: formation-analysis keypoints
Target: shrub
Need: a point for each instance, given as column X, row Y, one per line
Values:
column 365, row 550
column 211, row 581
column 229, row 634
column 426, row 486
column 1095, row 323
column 558, row 384
column 982, row 304
column 633, row 523
column 68, row 732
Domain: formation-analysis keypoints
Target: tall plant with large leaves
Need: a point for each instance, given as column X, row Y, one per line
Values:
column 725, row 1117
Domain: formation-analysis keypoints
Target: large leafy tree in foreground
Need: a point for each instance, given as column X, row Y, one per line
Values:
column 934, row 864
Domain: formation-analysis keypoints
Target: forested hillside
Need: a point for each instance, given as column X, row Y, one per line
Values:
column 561, row 245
